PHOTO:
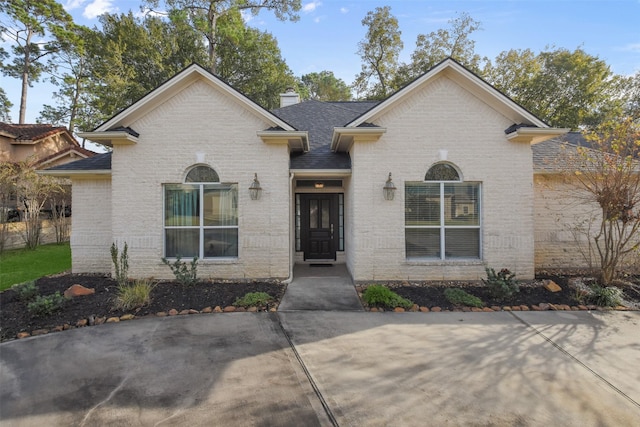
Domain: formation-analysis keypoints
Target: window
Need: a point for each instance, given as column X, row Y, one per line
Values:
column 201, row 218
column 442, row 218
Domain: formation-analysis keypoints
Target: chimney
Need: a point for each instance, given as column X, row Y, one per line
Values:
column 290, row 97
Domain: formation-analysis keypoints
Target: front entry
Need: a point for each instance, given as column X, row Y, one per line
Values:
column 319, row 226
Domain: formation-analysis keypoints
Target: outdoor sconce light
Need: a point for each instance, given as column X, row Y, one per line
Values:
column 255, row 189
column 319, row 185
column 389, row 189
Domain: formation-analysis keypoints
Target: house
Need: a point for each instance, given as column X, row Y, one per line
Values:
column 49, row 145
column 434, row 182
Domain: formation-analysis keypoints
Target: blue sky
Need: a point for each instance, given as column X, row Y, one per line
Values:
column 326, row 36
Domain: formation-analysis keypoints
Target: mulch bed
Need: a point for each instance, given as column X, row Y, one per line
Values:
column 169, row 298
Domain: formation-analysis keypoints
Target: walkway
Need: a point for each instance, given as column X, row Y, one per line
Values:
column 326, row 287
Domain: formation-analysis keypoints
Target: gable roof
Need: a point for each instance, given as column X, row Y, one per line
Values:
column 117, row 129
column 33, row 133
column 99, row 164
column 529, row 128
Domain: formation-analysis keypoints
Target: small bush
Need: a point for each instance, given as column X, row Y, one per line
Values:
column 254, row 299
column 503, row 284
column 381, row 296
column 458, row 296
column 134, row 295
column 26, row 291
column 120, row 263
column 46, row 305
column 186, row 274
column 608, row 296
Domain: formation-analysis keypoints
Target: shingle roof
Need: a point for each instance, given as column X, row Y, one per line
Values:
column 32, row 132
column 98, row 162
column 318, row 119
column 548, row 155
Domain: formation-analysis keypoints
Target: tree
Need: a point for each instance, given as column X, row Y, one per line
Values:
column 204, row 16
column 26, row 23
column 565, row 88
column 324, row 86
column 5, row 107
column 607, row 174
column 7, row 193
column 130, row 57
column 251, row 62
column 451, row 42
column 379, row 51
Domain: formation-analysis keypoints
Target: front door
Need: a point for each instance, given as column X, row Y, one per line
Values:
column 319, row 226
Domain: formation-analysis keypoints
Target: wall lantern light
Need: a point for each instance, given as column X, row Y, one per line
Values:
column 255, row 189
column 319, row 184
column 389, row 189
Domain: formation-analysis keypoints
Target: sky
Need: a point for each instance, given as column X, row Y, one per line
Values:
column 326, row 36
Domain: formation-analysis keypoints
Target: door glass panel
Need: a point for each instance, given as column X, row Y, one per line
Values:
column 313, row 213
column 325, row 213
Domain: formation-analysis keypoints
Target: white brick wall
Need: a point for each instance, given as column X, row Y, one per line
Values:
column 442, row 116
column 91, row 225
column 200, row 119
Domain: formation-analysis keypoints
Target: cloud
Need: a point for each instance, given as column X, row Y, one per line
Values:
column 311, row 6
column 344, row 10
column 73, row 4
column 631, row 47
column 99, row 7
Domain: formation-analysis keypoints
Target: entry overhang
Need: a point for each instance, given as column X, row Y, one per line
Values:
column 344, row 137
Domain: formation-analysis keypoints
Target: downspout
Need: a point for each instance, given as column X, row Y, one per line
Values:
column 291, row 221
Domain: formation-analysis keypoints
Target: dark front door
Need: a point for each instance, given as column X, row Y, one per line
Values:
column 319, row 225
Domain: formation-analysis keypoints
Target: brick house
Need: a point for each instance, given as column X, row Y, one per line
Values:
column 435, row 182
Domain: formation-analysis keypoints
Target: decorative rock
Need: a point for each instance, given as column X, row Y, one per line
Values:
column 495, row 308
column 373, row 309
column 506, row 308
column 436, row 309
column 583, row 307
column 516, row 308
column 536, row 308
column 100, row 320
column 82, row 322
column 273, row 309
column 39, row 332
column 424, row 309
column 183, row 312
column 564, row 307
column 66, row 327
column 58, row 328
column 229, row 309
column 241, row 309
column 524, row 307
column 192, row 311
column 217, row 309
column 544, row 306
column 23, row 335
column 552, row 286
column 127, row 316
column 113, row 320
column 399, row 310
column 487, row 310
column 476, row 309
column 465, row 309
column 207, row 310
column 78, row 290
column 574, row 308
column 553, row 307
column 414, row 307
column 252, row 309
column 173, row 312
column 161, row 314
column 92, row 320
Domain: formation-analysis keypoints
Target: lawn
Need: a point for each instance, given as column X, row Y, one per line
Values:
column 20, row 265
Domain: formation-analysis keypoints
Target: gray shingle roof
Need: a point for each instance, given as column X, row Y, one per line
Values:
column 98, row 162
column 318, row 119
column 547, row 155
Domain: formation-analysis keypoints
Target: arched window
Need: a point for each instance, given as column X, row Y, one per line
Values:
column 202, row 174
column 201, row 216
column 442, row 215
column 442, row 172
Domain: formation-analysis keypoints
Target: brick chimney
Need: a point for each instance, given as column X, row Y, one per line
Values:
column 290, row 97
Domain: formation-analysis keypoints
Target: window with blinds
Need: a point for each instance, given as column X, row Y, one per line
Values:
column 442, row 218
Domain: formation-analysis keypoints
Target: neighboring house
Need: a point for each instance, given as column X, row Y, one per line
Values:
column 48, row 145
column 180, row 182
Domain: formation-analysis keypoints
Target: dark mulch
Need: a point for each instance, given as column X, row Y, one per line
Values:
column 15, row 318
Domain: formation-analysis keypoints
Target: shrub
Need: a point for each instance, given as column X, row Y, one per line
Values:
column 254, row 299
column 134, row 295
column 26, row 291
column 503, row 284
column 458, row 296
column 607, row 296
column 381, row 296
column 46, row 305
column 121, row 264
column 186, row 274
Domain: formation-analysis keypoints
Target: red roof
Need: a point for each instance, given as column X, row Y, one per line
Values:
column 34, row 132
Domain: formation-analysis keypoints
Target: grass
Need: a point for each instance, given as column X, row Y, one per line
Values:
column 21, row 265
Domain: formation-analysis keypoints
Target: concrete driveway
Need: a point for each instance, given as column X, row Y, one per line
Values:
column 330, row 368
